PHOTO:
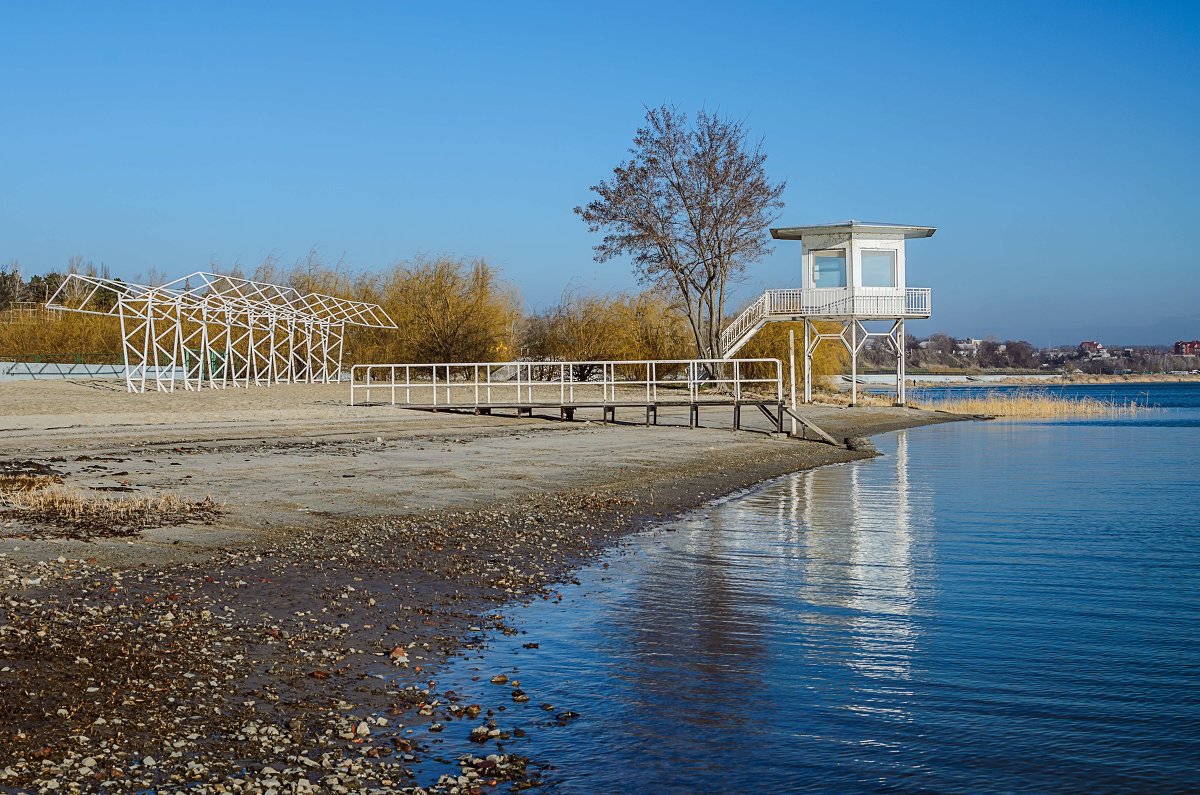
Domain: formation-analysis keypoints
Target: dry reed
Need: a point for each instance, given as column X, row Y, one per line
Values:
column 1033, row 404
column 865, row 398
column 23, row 482
column 98, row 515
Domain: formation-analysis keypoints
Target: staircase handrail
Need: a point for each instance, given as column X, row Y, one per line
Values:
column 746, row 320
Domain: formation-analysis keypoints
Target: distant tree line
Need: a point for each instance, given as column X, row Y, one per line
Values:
column 37, row 288
column 1138, row 361
column 943, row 352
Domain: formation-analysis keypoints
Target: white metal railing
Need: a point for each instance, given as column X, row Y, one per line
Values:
column 878, row 301
column 482, row 384
column 883, row 302
column 748, row 319
column 917, row 301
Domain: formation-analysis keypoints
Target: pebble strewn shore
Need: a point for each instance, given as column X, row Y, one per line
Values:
column 300, row 666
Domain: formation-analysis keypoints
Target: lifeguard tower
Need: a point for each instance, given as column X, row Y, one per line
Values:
column 852, row 273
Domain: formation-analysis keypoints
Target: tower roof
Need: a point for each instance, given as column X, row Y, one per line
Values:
column 798, row 232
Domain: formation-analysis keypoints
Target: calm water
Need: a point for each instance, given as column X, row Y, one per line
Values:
column 990, row 607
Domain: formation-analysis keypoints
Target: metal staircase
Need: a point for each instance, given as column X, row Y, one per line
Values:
column 745, row 326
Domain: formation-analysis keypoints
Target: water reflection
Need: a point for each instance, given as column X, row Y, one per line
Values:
column 837, row 547
column 853, row 529
column 880, row 576
column 691, row 632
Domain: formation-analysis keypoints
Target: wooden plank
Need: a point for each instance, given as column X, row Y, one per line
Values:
column 812, row 426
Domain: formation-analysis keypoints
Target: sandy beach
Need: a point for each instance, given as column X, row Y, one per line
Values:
column 292, row 640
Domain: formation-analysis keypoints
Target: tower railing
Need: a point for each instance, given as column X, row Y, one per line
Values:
column 826, row 302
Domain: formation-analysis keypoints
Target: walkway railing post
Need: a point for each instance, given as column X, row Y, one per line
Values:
column 792, row 372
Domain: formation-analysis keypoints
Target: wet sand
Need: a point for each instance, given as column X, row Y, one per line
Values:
column 293, row 638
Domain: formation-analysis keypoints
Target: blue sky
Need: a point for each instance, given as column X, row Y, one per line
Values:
column 1055, row 145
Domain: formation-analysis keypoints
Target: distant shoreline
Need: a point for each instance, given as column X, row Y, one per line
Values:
column 999, row 379
column 1159, row 378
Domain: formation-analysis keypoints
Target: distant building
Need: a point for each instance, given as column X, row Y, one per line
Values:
column 1188, row 348
column 967, row 347
column 1091, row 349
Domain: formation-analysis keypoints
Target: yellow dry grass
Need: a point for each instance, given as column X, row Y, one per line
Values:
column 11, row 483
column 585, row 327
column 771, row 342
column 68, row 337
column 865, row 398
column 70, row 508
column 1034, row 405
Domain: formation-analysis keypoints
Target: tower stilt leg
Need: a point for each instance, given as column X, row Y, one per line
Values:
column 853, row 362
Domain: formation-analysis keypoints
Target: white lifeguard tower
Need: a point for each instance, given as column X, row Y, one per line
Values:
column 852, row 273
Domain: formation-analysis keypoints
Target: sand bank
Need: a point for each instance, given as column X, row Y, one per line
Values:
column 298, row 456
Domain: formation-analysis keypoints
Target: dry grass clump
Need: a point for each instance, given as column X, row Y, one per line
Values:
column 1035, row 405
column 865, row 398
column 25, row 482
column 771, row 342
column 91, row 515
column 585, row 327
column 68, row 337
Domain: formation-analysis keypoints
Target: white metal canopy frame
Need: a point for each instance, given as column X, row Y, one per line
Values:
column 208, row 330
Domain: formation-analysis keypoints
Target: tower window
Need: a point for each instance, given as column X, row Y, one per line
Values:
column 878, row 268
column 829, row 268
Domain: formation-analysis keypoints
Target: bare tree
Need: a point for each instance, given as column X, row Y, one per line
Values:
column 10, row 284
column 691, row 206
column 1021, row 354
column 941, row 344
